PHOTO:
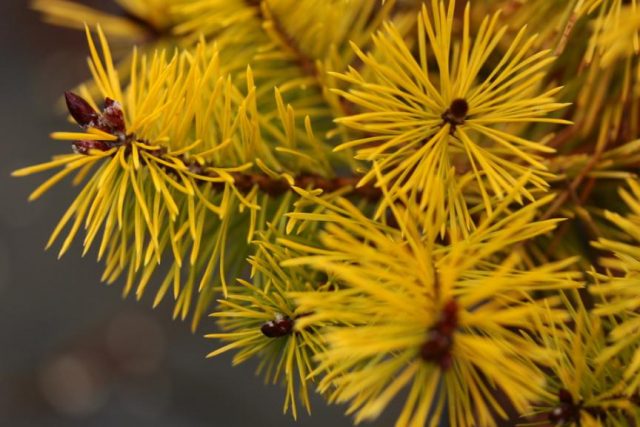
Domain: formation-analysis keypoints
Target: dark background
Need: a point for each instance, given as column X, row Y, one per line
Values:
column 72, row 351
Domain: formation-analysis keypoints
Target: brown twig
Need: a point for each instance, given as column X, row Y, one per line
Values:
column 560, row 138
column 566, row 33
column 306, row 63
column 246, row 181
column 573, row 186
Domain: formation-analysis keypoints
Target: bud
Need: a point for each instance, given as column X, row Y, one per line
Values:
column 281, row 326
column 565, row 396
column 439, row 344
column 80, row 109
column 448, row 317
column 437, row 349
column 567, row 412
column 456, row 113
column 112, row 116
column 83, row 147
column 459, row 109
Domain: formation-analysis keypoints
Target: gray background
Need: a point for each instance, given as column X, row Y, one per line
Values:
column 72, row 352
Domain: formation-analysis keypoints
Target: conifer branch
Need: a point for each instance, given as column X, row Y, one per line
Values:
column 304, row 62
column 246, row 181
column 481, row 260
column 85, row 116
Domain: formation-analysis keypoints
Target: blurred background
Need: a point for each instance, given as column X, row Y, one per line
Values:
column 72, row 351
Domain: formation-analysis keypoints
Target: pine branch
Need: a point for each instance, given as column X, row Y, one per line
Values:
column 111, row 122
column 306, row 63
column 427, row 285
column 246, row 181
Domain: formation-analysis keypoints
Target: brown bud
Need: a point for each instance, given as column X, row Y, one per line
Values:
column 565, row 396
column 448, row 317
column 83, row 147
column 567, row 411
column 80, row 109
column 439, row 344
column 112, row 116
column 281, row 326
column 459, row 109
column 437, row 349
